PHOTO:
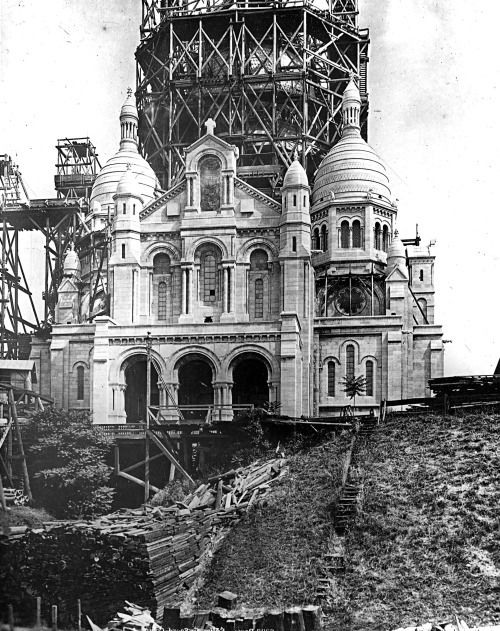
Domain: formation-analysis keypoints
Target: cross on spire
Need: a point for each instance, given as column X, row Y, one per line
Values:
column 210, row 125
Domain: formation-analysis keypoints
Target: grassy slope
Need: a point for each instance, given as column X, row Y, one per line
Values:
column 426, row 543
column 271, row 557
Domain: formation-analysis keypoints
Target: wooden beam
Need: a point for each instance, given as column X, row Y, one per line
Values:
column 132, row 478
column 171, row 457
column 13, row 410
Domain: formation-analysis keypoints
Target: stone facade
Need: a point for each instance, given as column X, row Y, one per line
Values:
column 245, row 300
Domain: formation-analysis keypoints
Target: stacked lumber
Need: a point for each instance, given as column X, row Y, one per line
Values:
column 236, row 488
column 149, row 555
column 456, row 625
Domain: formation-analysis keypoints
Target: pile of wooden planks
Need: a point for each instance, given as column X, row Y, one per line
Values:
column 236, row 488
column 149, row 555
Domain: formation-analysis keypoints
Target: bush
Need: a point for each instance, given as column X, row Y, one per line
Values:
column 67, row 460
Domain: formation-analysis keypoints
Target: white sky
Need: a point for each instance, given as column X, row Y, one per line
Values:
column 434, row 78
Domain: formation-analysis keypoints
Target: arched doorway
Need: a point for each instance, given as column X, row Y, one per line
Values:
column 135, row 392
column 195, row 376
column 250, row 380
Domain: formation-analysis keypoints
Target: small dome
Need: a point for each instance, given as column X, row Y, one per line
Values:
column 110, row 175
column 128, row 184
column 71, row 262
column 396, row 250
column 295, row 175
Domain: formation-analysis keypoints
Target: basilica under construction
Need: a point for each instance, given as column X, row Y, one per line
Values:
column 241, row 247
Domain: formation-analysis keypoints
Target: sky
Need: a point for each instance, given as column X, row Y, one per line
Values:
column 433, row 81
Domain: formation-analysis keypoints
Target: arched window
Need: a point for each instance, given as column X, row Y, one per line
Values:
column 356, row 234
column 161, row 264
column 331, row 379
column 294, row 244
column 210, row 183
column 162, row 301
column 258, row 260
column 324, row 238
column 344, row 234
column 369, row 378
column 385, row 238
column 316, row 239
column 259, row 298
column 349, row 361
column 80, row 383
column 377, row 236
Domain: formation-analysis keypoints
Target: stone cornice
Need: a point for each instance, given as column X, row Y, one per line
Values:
column 253, row 192
column 158, row 203
column 197, row 338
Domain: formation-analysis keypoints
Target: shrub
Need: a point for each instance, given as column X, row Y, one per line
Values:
column 67, row 459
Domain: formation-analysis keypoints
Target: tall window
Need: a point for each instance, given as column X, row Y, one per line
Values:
column 349, row 357
column 377, row 236
column 356, row 234
column 162, row 301
column 385, row 238
column 331, row 379
column 259, row 298
column 324, row 238
column 421, row 275
column 344, row 234
column 369, row 378
column 80, row 383
column 209, row 278
column 316, row 239
column 210, row 183
column 258, row 260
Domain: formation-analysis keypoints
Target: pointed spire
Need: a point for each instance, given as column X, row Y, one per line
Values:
column 351, row 109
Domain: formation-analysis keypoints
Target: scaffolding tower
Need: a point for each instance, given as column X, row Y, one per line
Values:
column 270, row 73
column 18, row 316
column 77, row 168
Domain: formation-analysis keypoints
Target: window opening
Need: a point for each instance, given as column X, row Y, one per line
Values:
column 385, row 238
column 259, row 298
column 377, row 236
column 344, row 234
column 356, row 234
column 123, row 250
column 209, row 278
column 80, row 385
column 161, row 264
column 210, row 183
column 324, row 238
column 369, row 379
column 294, row 244
column 421, row 275
column 124, row 208
column 349, row 353
column 331, row 379
column 162, row 301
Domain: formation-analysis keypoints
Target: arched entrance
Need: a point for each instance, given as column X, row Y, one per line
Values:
column 135, row 392
column 195, row 376
column 250, row 380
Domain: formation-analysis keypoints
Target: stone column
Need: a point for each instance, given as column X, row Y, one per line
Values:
column 118, row 414
column 183, row 292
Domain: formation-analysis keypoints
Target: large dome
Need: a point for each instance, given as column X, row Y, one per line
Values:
column 351, row 170
column 110, row 175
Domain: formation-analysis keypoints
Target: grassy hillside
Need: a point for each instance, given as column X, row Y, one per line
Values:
column 272, row 556
column 426, row 543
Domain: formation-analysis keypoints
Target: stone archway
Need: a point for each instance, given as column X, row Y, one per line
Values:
column 250, row 380
column 195, row 378
column 135, row 371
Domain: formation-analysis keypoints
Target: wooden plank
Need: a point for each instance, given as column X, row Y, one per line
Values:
column 171, row 457
column 132, row 478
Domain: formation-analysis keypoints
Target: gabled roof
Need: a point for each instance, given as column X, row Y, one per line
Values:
column 397, row 274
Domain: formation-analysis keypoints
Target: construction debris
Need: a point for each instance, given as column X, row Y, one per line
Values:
column 148, row 555
column 457, row 625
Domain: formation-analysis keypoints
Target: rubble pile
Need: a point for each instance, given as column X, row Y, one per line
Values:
column 146, row 555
